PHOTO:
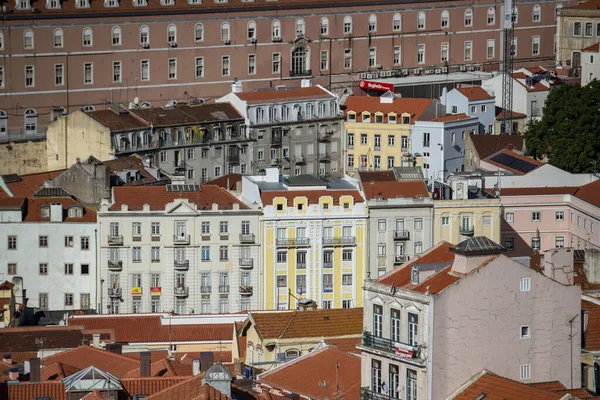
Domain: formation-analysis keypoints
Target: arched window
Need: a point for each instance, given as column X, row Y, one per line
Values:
column 537, row 13
column 251, row 30
column 171, row 34
column 557, row 11
column 3, row 122
column 491, row 16
column 144, row 35
column 372, row 23
column 324, row 26
column 300, row 61
column 397, row 22
column 199, row 33
column 88, row 108
column 250, row 354
column 421, row 20
column 116, row 36
column 276, row 30
column 28, row 39
column 30, row 121
column 300, row 27
column 347, row 25
column 445, row 19
column 87, row 37
column 58, row 38
column 225, row 33
column 577, row 29
column 468, row 17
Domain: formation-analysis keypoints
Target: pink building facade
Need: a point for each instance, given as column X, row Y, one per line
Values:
column 67, row 55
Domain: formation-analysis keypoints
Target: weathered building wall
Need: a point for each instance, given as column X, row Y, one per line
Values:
column 23, row 158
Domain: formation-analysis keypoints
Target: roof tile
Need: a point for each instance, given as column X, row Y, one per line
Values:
column 266, row 96
column 475, row 93
column 84, row 356
column 414, row 107
column 486, row 145
column 312, row 195
column 29, row 184
column 23, row 339
column 389, row 190
column 499, row 388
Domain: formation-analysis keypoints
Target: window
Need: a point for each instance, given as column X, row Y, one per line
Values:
column 426, row 139
column 559, row 216
column 116, row 36
column 155, row 228
column 43, row 269
column 397, row 23
column 324, row 27
column 491, row 16
column 468, row 17
column 421, row 20
column 85, row 269
column 589, row 30
column 397, row 55
column 276, row 30
column 251, row 31
column 144, row 35
column 347, row 58
column 87, row 37
column 85, row 243
column 421, row 54
column 381, row 224
column 225, row 66
column 28, row 39
column 376, row 376
column 324, row 60
column 347, row 279
column 225, row 32
column 347, row 25
column 372, row 57
column 2, row 113
column 346, row 303
column 155, row 255
column 559, row 241
column 68, row 241
column 468, row 50
column 525, row 284
column 413, row 322
column 145, row 70
column 418, row 247
column 535, row 243
column 29, row 76
column 411, row 384
column 68, row 269
column 116, row 71
column 444, row 48
column 223, row 253
column 377, row 320
column 491, row 51
column 445, row 221
column 577, row 29
column 525, row 372
column 515, row 16
column 223, row 228
column 509, row 243
column 69, row 299
column 58, row 38
column 199, row 67
column 445, row 19
column 535, row 45
column 172, row 68
column 418, row 224
column 171, row 34
column 509, row 217
column 536, row 216
column 372, row 23
column 300, row 27
column 537, row 13
column 136, row 254
column 43, row 301
column 525, row 333
column 12, row 269
column 281, row 281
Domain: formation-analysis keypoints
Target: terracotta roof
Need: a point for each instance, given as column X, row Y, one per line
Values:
column 28, row 184
column 267, row 96
column 414, row 107
column 536, row 87
column 475, row 93
column 499, row 388
column 486, row 145
column 58, row 371
column 188, row 115
column 95, row 395
column 588, row 5
column 228, row 181
column 117, row 122
column 28, row 391
column 536, row 164
column 12, row 202
column 589, row 193
column 147, row 329
column 552, row 386
column 595, row 47
column 511, row 115
column 312, row 195
column 34, row 210
column 303, row 324
column 84, row 356
column 390, row 190
column 130, row 163
column 377, row 176
column 164, row 367
column 22, row 356
column 24, row 338
column 158, row 197
column 6, row 285
column 329, row 364
column 3, row 303
column 451, row 118
column 188, row 389
column 150, row 385
column 592, row 337
column 345, row 344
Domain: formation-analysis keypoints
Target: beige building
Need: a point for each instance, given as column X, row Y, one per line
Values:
column 578, row 27
column 479, row 147
column 7, row 304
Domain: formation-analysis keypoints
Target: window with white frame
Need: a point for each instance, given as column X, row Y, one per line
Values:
column 491, row 16
column 535, row 243
column 276, row 63
column 171, row 34
column 324, row 27
column 559, row 216
column 225, row 32
column 421, row 21
column 509, row 217
column 537, row 13
column 300, row 27
column 421, row 54
column 251, row 30
column 525, row 284
column 397, row 22
column 347, row 25
column 58, row 38
column 559, row 241
column 276, row 30
column 372, row 23
column 397, row 55
column 117, row 73
column 491, row 51
column 87, row 37
column 525, row 372
column 525, row 332
column 347, row 58
column 116, row 36
column 535, row 45
column 444, row 48
column 28, row 42
column 59, row 74
column 468, row 50
column 324, row 64
column 372, row 57
column 199, row 33
column 172, row 68
column 536, row 216
column 468, row 17
column 145, row 70
column 445, row 23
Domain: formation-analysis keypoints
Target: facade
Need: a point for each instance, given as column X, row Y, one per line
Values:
column 474, row 102
column 479, row 147
column 577, row 28
column 182, row 248
column 458, row 310
column 517, row 120
column 457, row 219
column 298, row 130
column 590, row 63
column 400, row 217
column 158, row 51
column 378, row 131
column 315, row 240
column 49, row 241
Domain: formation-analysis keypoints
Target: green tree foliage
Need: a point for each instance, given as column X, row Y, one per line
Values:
column 569, row 131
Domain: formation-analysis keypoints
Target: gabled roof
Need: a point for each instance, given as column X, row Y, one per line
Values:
column 189, row 389
column 6, row 285
column 84, row 356
column 511, row 115
column 486, row 145
column 34, row 210
column 303, row 324
column 589, row 193
column 400, row 105
column 24, row 338
column 592, row 337
column 299, row 94
column 26, row 185
column 164, row 367
column 475, row 93
column 329, row 364
column 130, row 163
column 588, row 5
column 537, row 86
column 499, row 388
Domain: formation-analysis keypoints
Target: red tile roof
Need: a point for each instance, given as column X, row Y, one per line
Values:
column 588, row 5
column 12, row 202
column 6, row 285
column 150, row 385
column 130, row 163
column 390, row 190
column 377, row 176
column 325, row 323
column 475, row 93
column 96, row 395
column 360, row 104
column 486, row 145
column 58, row 371
column 592, row 337
column 511, row 115
column 589, row 193
column 29, row 391
column 158, row 197
column 34, row 210
column 189, row 389
column 346, row 344
column 84, row 356
column 228, row 181
column 516, row 155
column 267, row 96
column 148, row 329
column 536, row 87
column 24, row 338
column 451, row 118
column 312, row 195
column 595, row 47
column 499, row 388
column 29, row 184
column 164, row 367
column 329, row 364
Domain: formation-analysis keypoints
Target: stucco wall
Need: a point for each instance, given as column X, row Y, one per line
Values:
column 23, row 158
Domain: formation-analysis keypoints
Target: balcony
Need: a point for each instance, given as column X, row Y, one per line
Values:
column 223, row 288
column 181, row 239
column 275, row 161
column 339, row 241
column 404, row 149
column 114, row 292
column 181, row 291
column 300, row 72
column 368, row 394
column 246, row 290
column 205, row 289
column 298, row 242
column 246, row 263
column 300, row 265
column 466, row 231
column 327, row 289
column 377, row 148
column 300, row 160
column 363, row 168
column 397, row 349
column 324, row 157
column 401, row 235
column 137, row 290
column 276, row 141
column 182, row 265
column 247, row 238
column 327, row 264
column 115, row 240
column 324, row 137
column 155, row 291
column 115, row 265
column 399, row 259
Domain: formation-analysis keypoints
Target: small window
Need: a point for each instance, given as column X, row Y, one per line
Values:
column 525, row 373
column 509, row 217
column 525, row 333
column 536, row 216
column 525, row 284
column 559, row 216
column 509, row 243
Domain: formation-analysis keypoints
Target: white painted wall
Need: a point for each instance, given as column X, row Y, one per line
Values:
column 590, row 67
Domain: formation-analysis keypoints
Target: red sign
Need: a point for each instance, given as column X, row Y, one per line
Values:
column 155, row 290
column 404, row 351
column 383, row 87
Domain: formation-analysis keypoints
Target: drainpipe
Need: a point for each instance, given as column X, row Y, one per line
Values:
column 97, row 276
column 429, row 363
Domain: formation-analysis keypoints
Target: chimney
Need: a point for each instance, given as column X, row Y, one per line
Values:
column 145, row 364
column 56, row 212
column 7, row 359
column 557, row 264
column 306, row 305
column 195, row 367
column 96, row 340
column 306, row 83
column 471, row 253
column 236, row 86
column 34, row 370
column 206, row 360
column 13, row 374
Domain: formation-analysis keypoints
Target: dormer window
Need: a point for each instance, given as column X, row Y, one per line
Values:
column 23, row 4
column 406, row 119
column 75, row 212
column 414, row 275
column 52, row 4
column 45, row 211
column 351, row 116
column 82, row 4
column 379, row 118
column 366, row 117
column 391, row 118
column 111, row 3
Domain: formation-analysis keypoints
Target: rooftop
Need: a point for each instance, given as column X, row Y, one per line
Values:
column 511, row 115
column 291, row 94
column 595, row 47
column 475, row 93
column 313, row 196
column 228, row 181
column 592, row 337
column 514, row 162
column 390, row 190
column 26, row 185
column 360, row 104
column 451, row 118
column 478, row 245
column 23, row 339
column 497, row 387
column 589, row 193
column 486, row 145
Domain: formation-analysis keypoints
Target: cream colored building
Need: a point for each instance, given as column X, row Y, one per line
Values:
column 457, row 220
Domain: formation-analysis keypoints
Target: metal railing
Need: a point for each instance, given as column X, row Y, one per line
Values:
column 115, row 240
column 181, row 239
column 205, row 289
column 339, row 240
column 403, row 350
column 182, row 265
column 15, row 135
column 247, row 238
column 466, row 230
column 399, row 259
column 246, row 262
column 293, row 242
column 114, row 292
column 246, row 290
column 181, row 291
column 115, row 265
column 402, row 235
column 223, row 288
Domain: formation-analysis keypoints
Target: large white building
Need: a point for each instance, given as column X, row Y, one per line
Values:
column 183, row 248
column 49, row 241
column 475, row 102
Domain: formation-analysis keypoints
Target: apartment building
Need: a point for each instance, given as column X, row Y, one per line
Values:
column 296, row 129
column 473, row 101
column 48, row 241
column 378, row 131
column 314, row 239
column 435, row 322
column 86, row 53
column 184, row 248
column 400, row 217
column 590, row 63
column 577, row 28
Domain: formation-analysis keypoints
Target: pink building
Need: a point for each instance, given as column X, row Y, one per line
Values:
column 66, row 55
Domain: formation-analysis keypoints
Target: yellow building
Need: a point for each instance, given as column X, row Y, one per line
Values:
column 314, row 240
column 457, row 220
column 7, row 304
column 378, row 131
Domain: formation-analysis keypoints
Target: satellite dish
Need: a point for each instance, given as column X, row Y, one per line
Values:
column 171, row 104
column 136, row 100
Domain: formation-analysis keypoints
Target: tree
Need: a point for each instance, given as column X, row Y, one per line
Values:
column 569, row 131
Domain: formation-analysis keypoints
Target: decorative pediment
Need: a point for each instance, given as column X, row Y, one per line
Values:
column 300, row 41
column 181, row 207
column 412, row 307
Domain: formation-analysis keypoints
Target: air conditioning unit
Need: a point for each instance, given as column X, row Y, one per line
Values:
column 438, row 70
column 404, row 72
column 35, row 10
column 444, row 70
column 227, row 42
column 462, row 68
column 470, row 68
column 146, row 45
column 429, row 71
column 253, row 40
column 379, row 66
column 173, row 44
column 363, row 75
column 276, row 39
column 416, row 71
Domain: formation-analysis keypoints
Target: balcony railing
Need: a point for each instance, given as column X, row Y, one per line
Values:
column 247, row 238
column 324, row 157
column 223, row 288
column 466, row 230
column 300, row 265
column 15, row 135
column 398, row 349
column 115, row 240
column 114, row 292
column 399, row 259
column 401, row 235
column 327, row 264
column 205, row 289
column 324, row 137
column 377, row 148
column 293, row 242
column 181, row 239
column 181, row 291
column 339, row 241
column 404, row 149
column 137, row 290
column 301, row 72
column 115, row 265
column 182, row 265
column 300, row 160
column 246, row 263
column 246, row 290
column 368, row 394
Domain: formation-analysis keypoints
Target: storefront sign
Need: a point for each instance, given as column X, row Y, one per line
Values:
column 380, row 86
